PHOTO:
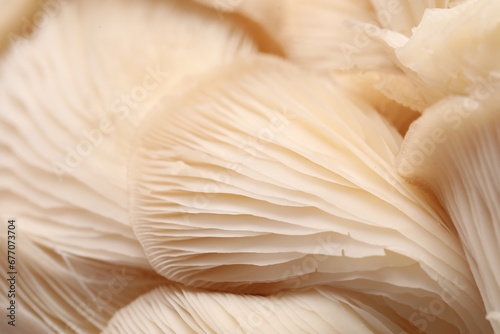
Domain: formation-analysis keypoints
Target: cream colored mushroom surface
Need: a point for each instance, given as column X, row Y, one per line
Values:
column 69, row 107
column 173, row 309
column 168, row 177
column 364, row 86
column 336, row 38
column 266, row 177
column 57, row 292
column 330, row 34
column 460, row 60
column 453, row 150
column 71, row 100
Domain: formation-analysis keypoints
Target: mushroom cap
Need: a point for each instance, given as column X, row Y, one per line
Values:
column 404, row 15
column 335, row 38
column 452, row 150
column 71, row 100
column 174, row 309
column 317, row 34
column 266, row 177
column 460, row 60
column 447, row 62
column 325, row 35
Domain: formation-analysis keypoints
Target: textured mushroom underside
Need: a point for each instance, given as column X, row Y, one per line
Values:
column 261, row 179
column 453, row 151
column 57, row 292
column 265, row 177
column 173, row 309
column 339, row 38
column 71, row 100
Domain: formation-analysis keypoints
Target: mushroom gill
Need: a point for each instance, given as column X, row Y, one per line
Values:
column 266, row 177
column 71, row 100
column 175, row 309
column 146, row 144
column 58, row 292
column 452, row 150
column 335, row 38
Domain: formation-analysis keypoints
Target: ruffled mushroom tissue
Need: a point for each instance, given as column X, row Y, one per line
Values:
column 250, row 166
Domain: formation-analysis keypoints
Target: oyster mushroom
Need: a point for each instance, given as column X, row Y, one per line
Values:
column 71, row 100
column 262, row 178
column 452, row 150
column 333, row 38
column 309, row 32
column 265, row 177
column 460, row 60
column 173, row 309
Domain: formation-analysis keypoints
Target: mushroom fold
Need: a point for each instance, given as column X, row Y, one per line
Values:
column 266, row 177
column 452, row 150
column 71, row 100
column 460, row 60
column 172, row 309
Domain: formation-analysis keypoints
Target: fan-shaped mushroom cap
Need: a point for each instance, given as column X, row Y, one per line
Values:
column 172, row 309
column 71, row 100
column 266, row 177
column 453, row 151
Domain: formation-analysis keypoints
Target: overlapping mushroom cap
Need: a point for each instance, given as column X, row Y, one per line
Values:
column 250, row 174
column 71, row 128
column 173, row 309
column 460, row 60
column 266, row 177
column 71, row 99
column 342, row 41
column 453, row 151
